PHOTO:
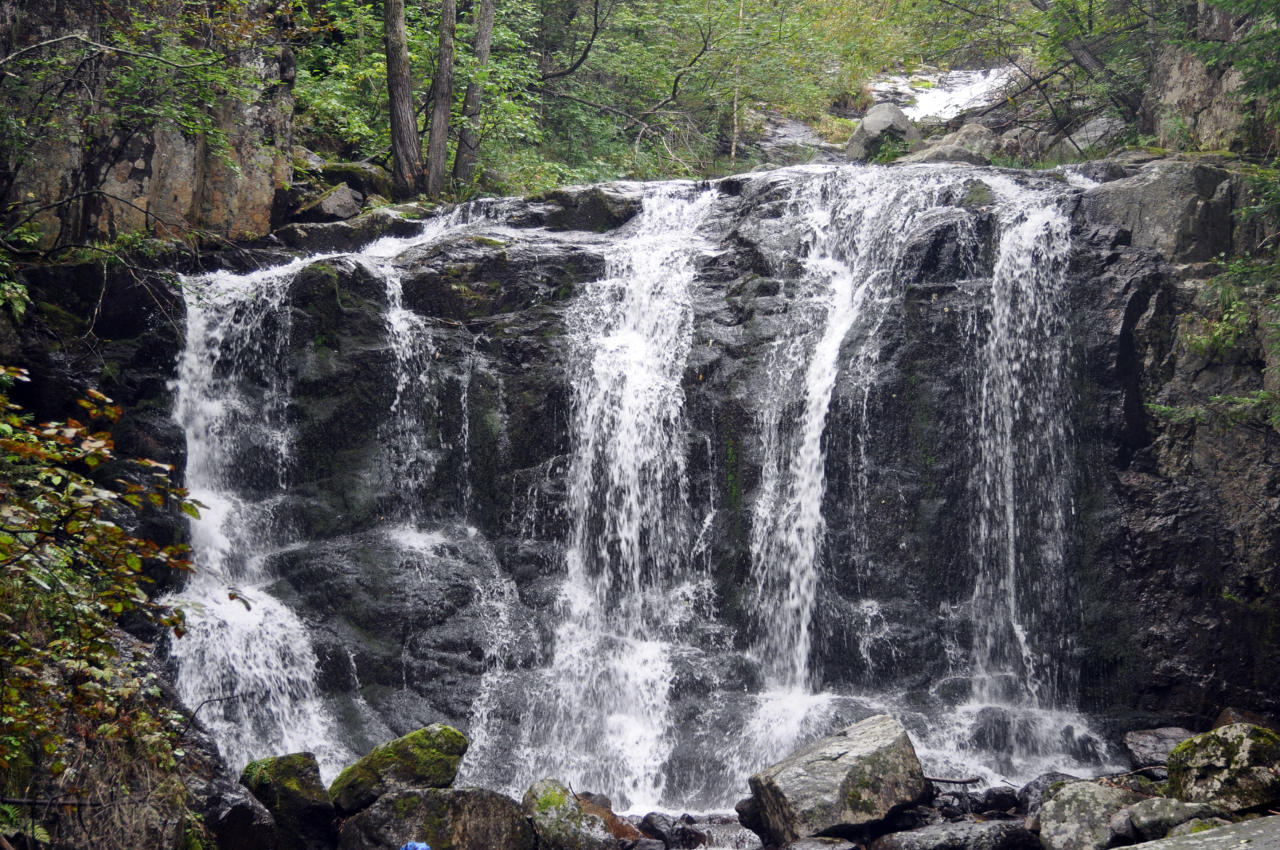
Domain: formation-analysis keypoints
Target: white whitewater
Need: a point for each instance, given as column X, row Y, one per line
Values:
column 246, row 664
column 606, row 724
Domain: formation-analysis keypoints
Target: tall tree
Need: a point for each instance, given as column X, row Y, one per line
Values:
column 464, row 161
column 406, row 145
column 442, row 102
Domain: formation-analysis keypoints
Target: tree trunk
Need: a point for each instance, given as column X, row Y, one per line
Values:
column 406, row 146
column 442, row 94
column 464, row 161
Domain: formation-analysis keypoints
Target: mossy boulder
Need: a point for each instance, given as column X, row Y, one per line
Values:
column 1155, row 817
column 427, row 758
column 1236, row 767
column 291, row 790
column 839, row 785
column 560, row 820
column 1077, row 815
column 445, row 818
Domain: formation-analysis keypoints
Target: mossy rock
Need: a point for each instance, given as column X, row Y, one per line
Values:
column 291, row 790
column 366, row 178
column 427, row 758
column 1077, row 815
column 1236, row 767
column 444, row 818
column 560, row 821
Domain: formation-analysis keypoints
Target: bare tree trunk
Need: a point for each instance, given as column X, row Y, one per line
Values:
column 464, row 161
column 442, row 94
column 406, row 145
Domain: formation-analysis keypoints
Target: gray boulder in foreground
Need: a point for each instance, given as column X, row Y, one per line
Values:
column 839, row 783
column 1077, row 815
column 1236, row 767
column 1258, row 834
column 962, row 835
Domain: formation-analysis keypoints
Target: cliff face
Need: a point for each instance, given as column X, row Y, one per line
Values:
column 1167, row 606
column 152, row 175
column 1180, row 581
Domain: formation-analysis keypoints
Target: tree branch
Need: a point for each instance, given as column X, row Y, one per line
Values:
column 596, row 23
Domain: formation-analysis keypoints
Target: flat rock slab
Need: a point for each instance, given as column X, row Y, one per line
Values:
column 1259, row 834
column 986, row 835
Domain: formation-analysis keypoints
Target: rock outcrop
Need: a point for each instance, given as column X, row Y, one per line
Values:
column 290, row 788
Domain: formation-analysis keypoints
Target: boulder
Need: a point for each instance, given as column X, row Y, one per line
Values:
column 1181, row 209
column 444, row 818
column 1032, row 795
column 1238, row 715
column 364, row 177
column 1236, row 767
column 1001, row 798
column 1257, row 834
column 560, row 821
column 883, row 125
column 290, row 788
column 427, row 758
column 751, row 816
column 237, row 820
column 335, row 204
column 1154, row 817
column 1077, row 815
column 1092, row 137
column 963, row 835
column 974, row 137
column 947, row 153
column 1150, row 747
column 840, row 784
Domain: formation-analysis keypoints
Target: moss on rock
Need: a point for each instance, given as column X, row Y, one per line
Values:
column 427, row 758
column 1236, row 767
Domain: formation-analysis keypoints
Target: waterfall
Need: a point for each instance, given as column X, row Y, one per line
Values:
column 627, row 556
column 614, row 639
column 245, row 664
column 856, row 223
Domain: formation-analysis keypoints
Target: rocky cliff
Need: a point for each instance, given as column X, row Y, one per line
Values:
column 1169, row 598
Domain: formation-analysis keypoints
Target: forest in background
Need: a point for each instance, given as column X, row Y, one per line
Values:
column 547, row 93
column 564, row 92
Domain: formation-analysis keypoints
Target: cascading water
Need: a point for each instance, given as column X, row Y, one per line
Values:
column 659, row 675
column 628, row 554
column 245, row 665
column 246, row 662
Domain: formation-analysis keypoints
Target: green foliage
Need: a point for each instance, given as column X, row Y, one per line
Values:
column 1254, row 54
column 151, row 65
column 69, row 569
column 1235, row 300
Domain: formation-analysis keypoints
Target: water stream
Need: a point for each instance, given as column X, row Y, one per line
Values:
column 641, row 681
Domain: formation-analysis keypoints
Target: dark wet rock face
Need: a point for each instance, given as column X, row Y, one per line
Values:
column 1167, row 525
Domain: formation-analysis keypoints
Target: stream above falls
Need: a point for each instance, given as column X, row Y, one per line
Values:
column 643, row 485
